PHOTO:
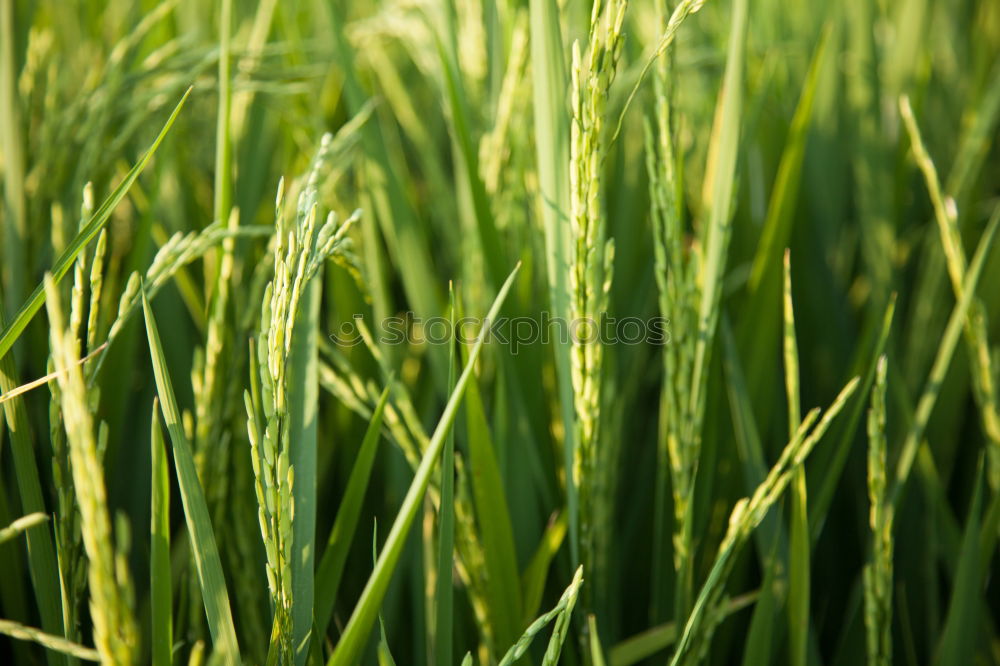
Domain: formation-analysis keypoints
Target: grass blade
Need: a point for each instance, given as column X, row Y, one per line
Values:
column 160, row 585
column 493, row 520
column 596, row 651
column 561, row 614
column 331, row 566
column 356, row 632
column 223, row 141
column 961, row 627
column 383, row 652
column 87, row 233
column 550, row 83
column 942, row 361
column 746, row 516
column 41, row 550
column 446, row 526
column 535, row 574
column 459, row 107
column 199, row 524
column 765, row 272
column 13, row 228
column 781, row 207
column 799, row 543
column 720, row 183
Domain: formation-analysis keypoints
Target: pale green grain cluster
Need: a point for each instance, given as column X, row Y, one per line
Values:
column 55, row 643
column 878, row 571
column 561, row 614
column 745, row 517
column 676, row 272
column 975, row 329
column 676, row 292
column 115, row 631
column 211, row 438
column 593, row 253
column 20, row 525
column 300, row 249
column 180, row 250
column 670, row 25
column 69, row 551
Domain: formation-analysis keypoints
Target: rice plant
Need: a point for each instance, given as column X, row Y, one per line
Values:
column 593, row 253
column 878, row 573
column 499, row 332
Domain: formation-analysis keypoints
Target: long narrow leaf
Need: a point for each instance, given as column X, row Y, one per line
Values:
column 799, row 544
column 719, row 186
column 761, row 329
column 550, row 83
column 199, row 524
column 331, row 566
column 942, row 362
column 41, row 550
column 446, row 525
column 494, row 523
column 960, row 635
column 160, row 586
column 358, row 628
column 303, row 408
column 87, row 233
column 536, row 573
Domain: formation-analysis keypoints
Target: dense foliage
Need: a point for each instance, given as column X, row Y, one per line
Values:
column 428, row 330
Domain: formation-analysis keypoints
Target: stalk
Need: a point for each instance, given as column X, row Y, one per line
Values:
column 115, row 633
column 287, row 331
column 593, row 253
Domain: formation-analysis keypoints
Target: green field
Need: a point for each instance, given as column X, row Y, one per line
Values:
column 499, row 331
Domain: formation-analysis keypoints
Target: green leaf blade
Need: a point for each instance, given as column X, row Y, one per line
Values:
column 199, row 524
column 331, row 566
column 87, row 233
column 161, row 601
column 359, row 626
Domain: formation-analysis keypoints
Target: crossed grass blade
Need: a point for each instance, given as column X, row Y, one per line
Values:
column 746, row 516
column 359, row 626
column 160, row 575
